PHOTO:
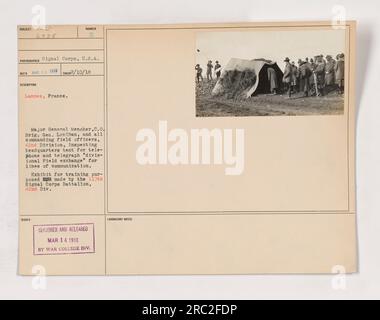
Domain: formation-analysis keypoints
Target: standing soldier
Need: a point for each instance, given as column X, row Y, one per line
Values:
column 329, row 73
column 320, row 75
column 312, row 67
column 209, row 70
column 295, row 76
column 305, row 74
column 198, row 70
column 218, row 69
column 300, row 80
column 272, row 79
column 339, row 73
column 288, row 77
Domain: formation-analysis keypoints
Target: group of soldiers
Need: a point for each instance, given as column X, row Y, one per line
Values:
column 317, row 76
column 217, row 68
column 313, row 77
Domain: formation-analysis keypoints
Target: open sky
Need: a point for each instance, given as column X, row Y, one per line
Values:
column 271, row 45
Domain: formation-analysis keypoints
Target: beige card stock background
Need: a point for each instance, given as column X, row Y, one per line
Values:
column 291, row 211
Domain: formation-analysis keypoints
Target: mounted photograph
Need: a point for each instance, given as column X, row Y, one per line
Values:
column 270, row 73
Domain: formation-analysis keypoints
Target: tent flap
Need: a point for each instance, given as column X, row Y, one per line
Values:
column 243, row 78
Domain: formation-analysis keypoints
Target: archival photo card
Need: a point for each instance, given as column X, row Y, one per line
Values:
column 141, row 149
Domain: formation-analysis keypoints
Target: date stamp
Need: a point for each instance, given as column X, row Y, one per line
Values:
column 63, row 239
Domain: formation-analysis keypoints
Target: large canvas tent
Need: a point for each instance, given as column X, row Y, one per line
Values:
column 243, row 78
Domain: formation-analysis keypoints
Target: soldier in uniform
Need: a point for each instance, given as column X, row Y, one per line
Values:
column 312, row 67
column 329, row 74
column 339, row 73
column 209, row 70
column 319, row 71
column 272, row 79
column 198, row 70
column 288, row 77
column 295, row 79
column 305, row 73
column 300, row 80
column 217, row 69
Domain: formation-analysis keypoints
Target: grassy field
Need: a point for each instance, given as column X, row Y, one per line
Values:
column 264, row 105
